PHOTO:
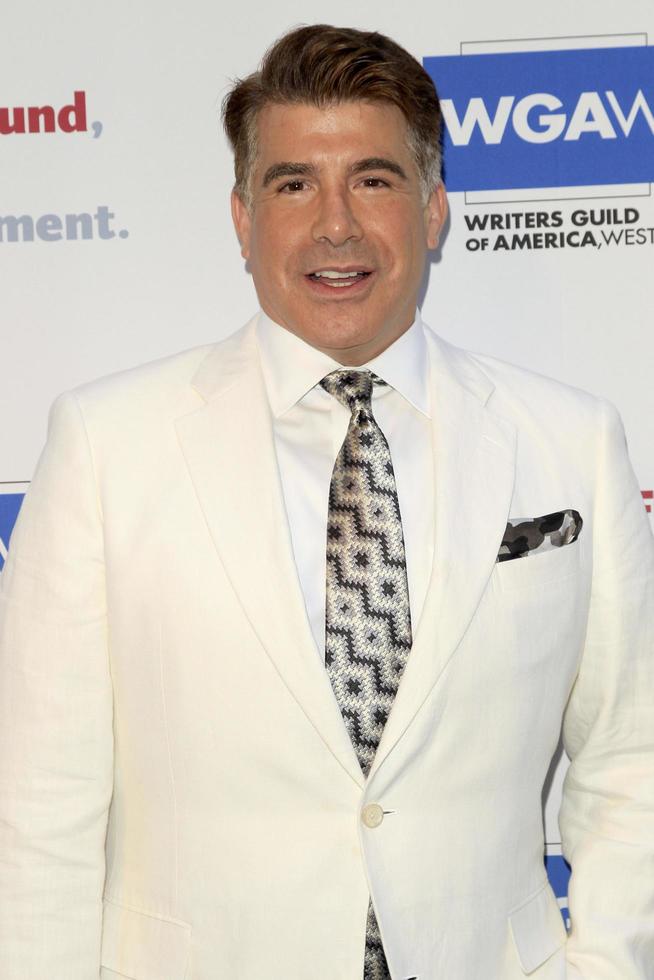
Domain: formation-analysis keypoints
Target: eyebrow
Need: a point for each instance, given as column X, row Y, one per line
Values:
column 378, row 163
column 289, row 169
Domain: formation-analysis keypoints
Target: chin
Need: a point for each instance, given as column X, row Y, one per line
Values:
column 341, row 339
column 337, row 335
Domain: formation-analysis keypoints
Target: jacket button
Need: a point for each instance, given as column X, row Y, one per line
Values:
column 372, row 814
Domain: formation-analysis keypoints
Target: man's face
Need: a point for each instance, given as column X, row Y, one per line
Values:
column 337, row 234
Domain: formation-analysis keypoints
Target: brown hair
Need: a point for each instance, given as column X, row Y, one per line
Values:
column 321, row 65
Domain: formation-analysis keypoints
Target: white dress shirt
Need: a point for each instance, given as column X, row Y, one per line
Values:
column 309, row 427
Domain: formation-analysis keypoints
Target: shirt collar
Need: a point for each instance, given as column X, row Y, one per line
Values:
column 291, row 367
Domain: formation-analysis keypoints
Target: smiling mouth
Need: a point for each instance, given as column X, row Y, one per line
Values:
column 337, row 279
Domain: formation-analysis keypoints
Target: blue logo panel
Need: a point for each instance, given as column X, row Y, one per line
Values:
column 9, row 507
column 547, row 118
column 558, row 872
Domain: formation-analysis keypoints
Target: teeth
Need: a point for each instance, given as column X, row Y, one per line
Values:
column 333, row 274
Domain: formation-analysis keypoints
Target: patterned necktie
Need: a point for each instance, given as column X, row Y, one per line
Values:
column 368, row 621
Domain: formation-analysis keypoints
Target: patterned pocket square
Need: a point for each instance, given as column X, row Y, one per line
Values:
column 530, row 536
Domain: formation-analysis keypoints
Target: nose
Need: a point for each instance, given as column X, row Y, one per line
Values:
column 335, row 221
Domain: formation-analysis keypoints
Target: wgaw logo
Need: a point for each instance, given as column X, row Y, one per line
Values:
column 11, row 497
column 540, row 118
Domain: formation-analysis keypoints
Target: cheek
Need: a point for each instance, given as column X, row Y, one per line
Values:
column 398, row 228
column 400, row 247
column 276, row 247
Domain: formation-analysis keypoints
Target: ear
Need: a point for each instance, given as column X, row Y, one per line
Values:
column 242, row 223
column 435, row 215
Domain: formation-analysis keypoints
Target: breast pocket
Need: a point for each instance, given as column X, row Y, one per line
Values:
column 141, row 946
column 557, row 565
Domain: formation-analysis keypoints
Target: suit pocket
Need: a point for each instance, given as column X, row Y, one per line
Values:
column 142, row 946
column 537, row 929
column 538, row 570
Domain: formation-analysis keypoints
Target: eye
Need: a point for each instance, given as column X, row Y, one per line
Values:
column 375, row 182
column 292, row 186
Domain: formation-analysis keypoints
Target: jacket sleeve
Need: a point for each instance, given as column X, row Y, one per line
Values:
column 607, row 814
column 56, row 740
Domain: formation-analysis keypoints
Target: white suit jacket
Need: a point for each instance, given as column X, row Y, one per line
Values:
column 179, row 798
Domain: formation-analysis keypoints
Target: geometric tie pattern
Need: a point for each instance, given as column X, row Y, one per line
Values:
column 368, row 620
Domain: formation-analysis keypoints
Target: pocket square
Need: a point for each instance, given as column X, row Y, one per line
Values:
column 529, row 536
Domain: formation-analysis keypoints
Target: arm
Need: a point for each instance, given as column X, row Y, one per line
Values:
column 56, row 742
column 607, row 815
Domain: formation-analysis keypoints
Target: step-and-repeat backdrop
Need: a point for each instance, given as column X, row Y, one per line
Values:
column 116, row 245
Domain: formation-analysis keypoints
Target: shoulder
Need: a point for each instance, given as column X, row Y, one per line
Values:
column 164, row 387
column 520, row 393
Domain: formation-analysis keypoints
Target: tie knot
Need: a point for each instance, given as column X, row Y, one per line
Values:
column 353, row 389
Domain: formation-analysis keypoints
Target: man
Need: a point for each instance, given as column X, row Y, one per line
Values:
column 290, row 623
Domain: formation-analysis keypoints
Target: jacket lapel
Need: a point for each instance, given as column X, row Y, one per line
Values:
column 474, row 464
column 229, row 450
